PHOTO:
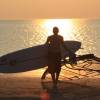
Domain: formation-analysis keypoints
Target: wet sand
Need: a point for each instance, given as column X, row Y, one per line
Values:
column 34, row 89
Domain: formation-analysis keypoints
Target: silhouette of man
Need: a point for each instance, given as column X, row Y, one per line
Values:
column 54, row 55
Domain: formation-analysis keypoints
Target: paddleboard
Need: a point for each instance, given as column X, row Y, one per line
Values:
column 31, row 58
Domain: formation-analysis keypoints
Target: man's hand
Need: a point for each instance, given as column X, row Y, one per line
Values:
column 72, row 58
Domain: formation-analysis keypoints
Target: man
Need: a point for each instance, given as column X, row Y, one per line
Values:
column 54, row 55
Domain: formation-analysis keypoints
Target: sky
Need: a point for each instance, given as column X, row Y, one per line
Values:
column 30, row 9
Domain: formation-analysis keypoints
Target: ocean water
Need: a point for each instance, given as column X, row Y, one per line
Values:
column 18, row 34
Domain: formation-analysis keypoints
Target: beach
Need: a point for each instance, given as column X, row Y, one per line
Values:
column 34, row 89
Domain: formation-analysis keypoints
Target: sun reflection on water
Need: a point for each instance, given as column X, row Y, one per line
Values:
column 65, row 26
column 70, row 29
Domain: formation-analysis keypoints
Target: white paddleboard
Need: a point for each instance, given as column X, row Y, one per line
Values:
column 31, row 58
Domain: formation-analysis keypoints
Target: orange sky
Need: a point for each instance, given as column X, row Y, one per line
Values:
column 29, row 9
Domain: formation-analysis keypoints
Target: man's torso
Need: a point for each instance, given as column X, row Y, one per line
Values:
column 55, row 43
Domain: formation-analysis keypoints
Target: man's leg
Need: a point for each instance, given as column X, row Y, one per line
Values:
column 58, row 66
column 44, row 74
column 54, row 79
column 57, row 75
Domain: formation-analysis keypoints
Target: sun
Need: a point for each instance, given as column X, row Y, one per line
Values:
column 65, row 26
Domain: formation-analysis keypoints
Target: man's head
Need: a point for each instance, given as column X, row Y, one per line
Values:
column 55, row 30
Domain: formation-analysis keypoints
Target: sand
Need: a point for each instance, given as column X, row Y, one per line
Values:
column 32, row 88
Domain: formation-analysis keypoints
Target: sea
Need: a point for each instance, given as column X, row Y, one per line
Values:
column 20, row 34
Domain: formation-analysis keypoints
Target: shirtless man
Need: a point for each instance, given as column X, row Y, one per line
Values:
column 54, row 55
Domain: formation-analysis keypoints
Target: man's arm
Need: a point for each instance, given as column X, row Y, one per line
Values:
column 65, row 47
column 48, row 40
column 72, row 56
